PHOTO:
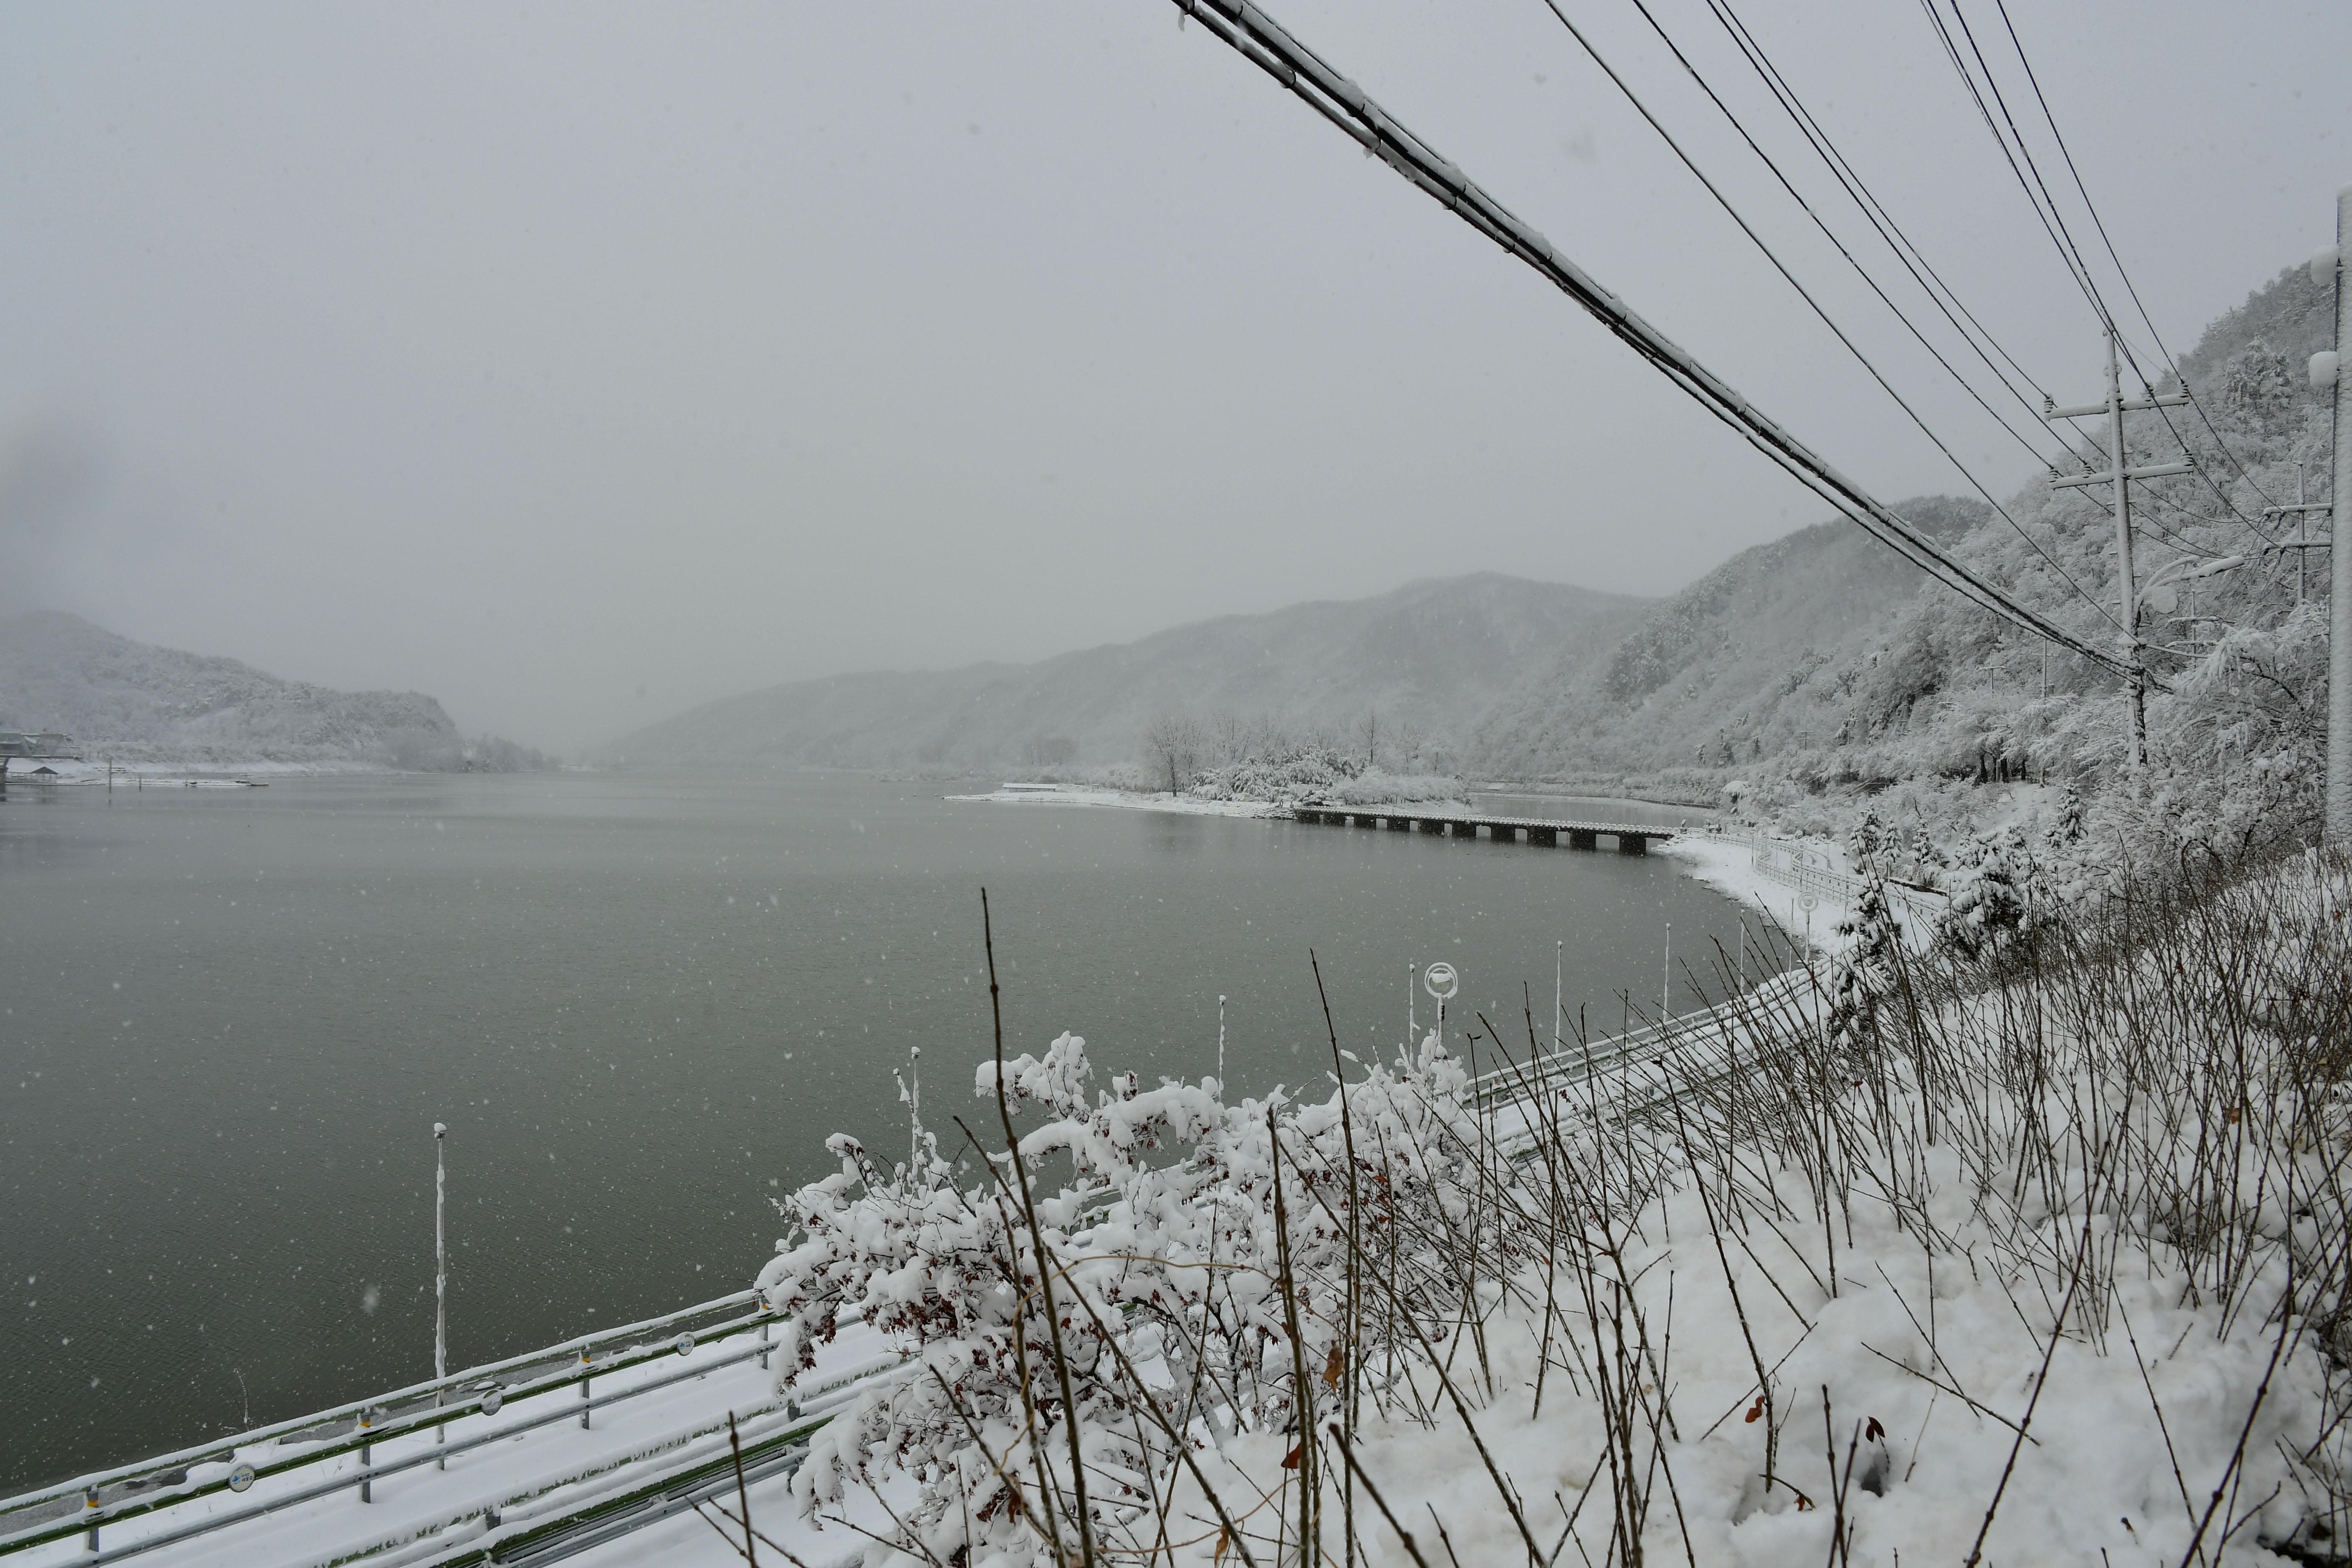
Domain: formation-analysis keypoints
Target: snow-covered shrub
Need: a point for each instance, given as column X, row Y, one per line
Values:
column 1868, row 845
column 1178, row 1292
column 1997, row 896
column 1927, row 862
column 1320, row 778
column 1307, row 776
column 1864, row 969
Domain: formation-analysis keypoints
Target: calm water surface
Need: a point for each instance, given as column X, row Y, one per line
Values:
column 229, row 1019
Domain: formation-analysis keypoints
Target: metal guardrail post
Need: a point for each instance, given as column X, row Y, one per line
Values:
column 90, row 1499
column 585, row 1407
column 367, row 1460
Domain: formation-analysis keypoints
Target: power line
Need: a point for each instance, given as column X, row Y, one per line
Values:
column 1968, row 79
column 2153, row 336
column 2045, row 207
column 1242, row 26
column 1896, row 239
column 2064, row 235
column 1795, row 196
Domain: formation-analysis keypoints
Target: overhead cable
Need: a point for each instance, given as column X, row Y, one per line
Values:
column 2153, row 336
column 1906, row 251
column 1797, row 198
column 1265, row 43
column 2067, row 253
column 2045, row 207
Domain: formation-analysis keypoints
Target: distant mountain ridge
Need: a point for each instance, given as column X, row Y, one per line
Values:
column 138, row 703
column 1426, row 660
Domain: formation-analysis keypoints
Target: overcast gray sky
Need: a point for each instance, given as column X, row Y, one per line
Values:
column 578, row 364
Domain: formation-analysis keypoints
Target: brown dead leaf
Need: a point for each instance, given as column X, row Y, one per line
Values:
column 1224, row 1544
column 1290, row 1460
column 1756, row 1410
column 1333, row 1366
column 1803, row 1503
column 1874, row 1431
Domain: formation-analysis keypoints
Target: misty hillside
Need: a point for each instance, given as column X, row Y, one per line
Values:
column 1824, row 670
column 139, row 703
column 1428, row 660
column 1690, row 683
column 2290, row 314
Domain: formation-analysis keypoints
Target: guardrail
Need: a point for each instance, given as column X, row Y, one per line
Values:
column 1705, row 1042
column 153, row 1485
column 550, row 1521
column 1920, row 903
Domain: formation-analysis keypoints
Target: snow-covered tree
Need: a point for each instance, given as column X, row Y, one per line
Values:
column 2068, row 826
column 1140, row 1306
column 1999, row 894
column 1865, row 968
column 1869, row 844
column 1927, row 861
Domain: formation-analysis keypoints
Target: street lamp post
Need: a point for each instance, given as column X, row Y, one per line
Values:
column 440, row 1279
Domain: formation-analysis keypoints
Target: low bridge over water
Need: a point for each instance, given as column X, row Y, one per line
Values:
column 1632, row 837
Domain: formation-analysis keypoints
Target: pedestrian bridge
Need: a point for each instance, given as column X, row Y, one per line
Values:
column 1632, row 837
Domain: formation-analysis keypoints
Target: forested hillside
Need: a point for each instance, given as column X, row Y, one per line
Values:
column 1705, row 678
column 1417, row 666
column 1820, row 669
column 139, row 703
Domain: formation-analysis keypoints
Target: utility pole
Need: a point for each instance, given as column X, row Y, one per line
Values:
column 440, row 1280
column 2127, row 590
column 2302, row 544
column 2339, row 609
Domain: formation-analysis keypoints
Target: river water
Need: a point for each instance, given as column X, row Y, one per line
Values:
column 229, row 1019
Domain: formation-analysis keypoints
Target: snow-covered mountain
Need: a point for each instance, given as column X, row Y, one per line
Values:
column 1824, row 671
column 1427, row 660
column 1700, row 678
column 141, row 703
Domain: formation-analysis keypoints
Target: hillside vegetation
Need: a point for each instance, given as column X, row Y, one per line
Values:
column 139, row 703
column 1420, row 664
column 1819, row 672
column 2029, row 1252
column 1703, row 678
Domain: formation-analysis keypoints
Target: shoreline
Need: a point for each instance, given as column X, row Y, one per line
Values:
column 1181, row 806
column 1719, row 864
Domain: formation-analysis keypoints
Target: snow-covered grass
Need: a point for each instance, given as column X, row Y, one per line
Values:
column 2031, row 1254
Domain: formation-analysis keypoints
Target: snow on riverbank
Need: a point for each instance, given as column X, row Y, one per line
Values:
column 1181, row 805
column 1184, row 805
column 1730, row 867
